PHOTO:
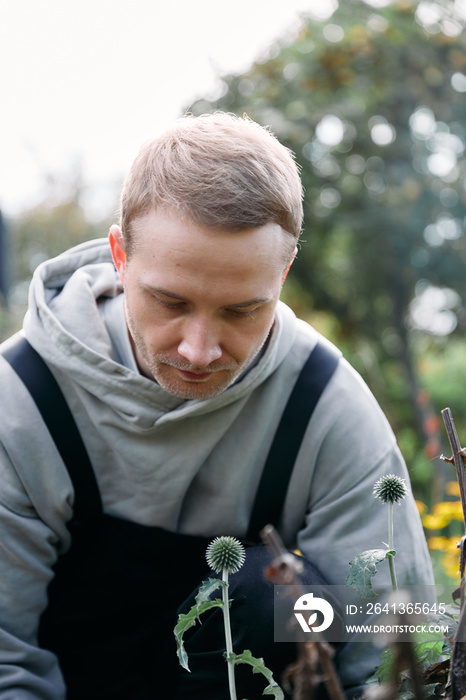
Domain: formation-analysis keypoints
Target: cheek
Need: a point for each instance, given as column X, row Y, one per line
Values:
column 140, row 306
column 135, row 310
column 253, row 338
column 148, row 320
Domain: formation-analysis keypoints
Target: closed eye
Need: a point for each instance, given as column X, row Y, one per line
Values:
column 170, row 304
column 242, row 313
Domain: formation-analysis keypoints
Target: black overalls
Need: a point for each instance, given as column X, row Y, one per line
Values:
column 114, row 600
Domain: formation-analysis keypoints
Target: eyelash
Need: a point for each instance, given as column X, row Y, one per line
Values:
column 241, row 314
column 170, row 304
column 178, row 305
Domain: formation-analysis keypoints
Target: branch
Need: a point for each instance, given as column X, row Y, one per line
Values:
column 285, row 569
column 458, row 457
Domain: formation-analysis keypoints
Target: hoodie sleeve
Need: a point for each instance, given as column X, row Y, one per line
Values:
column 27, row 554
column 29, row 542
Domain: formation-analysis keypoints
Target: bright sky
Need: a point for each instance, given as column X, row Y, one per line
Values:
column 89, row 80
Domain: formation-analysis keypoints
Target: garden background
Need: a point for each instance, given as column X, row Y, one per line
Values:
column 372, row 99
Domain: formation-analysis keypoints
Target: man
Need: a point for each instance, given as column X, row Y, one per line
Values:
column 177, row 360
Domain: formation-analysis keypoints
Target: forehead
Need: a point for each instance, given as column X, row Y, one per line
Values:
column 166, row 243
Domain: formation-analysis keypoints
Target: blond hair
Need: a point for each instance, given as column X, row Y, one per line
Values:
column 221, row 171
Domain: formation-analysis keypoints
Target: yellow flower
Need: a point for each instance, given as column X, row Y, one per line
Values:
column 435, row 522
column 453, row 488
column 442, row 514
column 451, row 564
column 452, row 509
column 443, row 544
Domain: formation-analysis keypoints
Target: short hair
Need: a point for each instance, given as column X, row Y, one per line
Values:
column 221, row 171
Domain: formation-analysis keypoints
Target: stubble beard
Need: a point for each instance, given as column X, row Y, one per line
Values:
column 159, row 367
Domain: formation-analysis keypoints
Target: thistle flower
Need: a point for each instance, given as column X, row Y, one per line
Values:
column 390, row 489
column 225, row 554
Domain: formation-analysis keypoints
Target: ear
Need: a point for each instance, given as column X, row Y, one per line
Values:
column 117, row 246
column 289, row 265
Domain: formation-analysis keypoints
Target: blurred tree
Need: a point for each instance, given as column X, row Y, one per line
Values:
column 372, row 100
column 60, row 221
column 46, row 231
column 69, row 212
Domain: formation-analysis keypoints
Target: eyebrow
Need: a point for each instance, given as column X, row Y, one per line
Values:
column 238, row 305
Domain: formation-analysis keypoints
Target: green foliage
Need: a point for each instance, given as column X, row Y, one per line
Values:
column 383, row 671
column 363, row 568
column 444, row 373
column 188, row 620
column 406, row 691
column 51, row 227
column 46, row 231
column 427, row 653
column 258, row 666
column 203, row 603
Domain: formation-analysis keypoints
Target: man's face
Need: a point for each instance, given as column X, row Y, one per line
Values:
column 199, row 302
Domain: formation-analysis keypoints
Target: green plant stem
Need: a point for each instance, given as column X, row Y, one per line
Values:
column 228, row 640
column 391, row 562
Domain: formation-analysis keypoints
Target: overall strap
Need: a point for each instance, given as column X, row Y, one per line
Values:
column 311, row 382
column 42, row 386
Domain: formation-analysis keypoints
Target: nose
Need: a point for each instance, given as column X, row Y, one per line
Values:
column 199, row 345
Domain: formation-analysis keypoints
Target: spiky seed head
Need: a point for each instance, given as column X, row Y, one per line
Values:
column 225, row 553
column 390, row 488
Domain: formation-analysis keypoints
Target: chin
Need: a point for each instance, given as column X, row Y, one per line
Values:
column 191, row 390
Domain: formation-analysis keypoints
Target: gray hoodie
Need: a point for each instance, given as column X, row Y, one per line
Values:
column 187, row 466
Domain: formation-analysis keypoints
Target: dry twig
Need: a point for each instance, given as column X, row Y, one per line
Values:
column 315, row 659
column 458, row 458
column 457, row 679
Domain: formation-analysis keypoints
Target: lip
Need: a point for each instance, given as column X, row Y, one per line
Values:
column 195, row 376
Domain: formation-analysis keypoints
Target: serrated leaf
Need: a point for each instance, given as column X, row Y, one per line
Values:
column 406, row 691
column 384, row 669
column 430, row 690
column 207, row 588
column 446, row 648
column 363, row 568
column 258, row 666
column 450, row 617
column 188, row 620
column 429, row 652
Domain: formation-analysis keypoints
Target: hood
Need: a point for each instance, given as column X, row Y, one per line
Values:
column 64, row 325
